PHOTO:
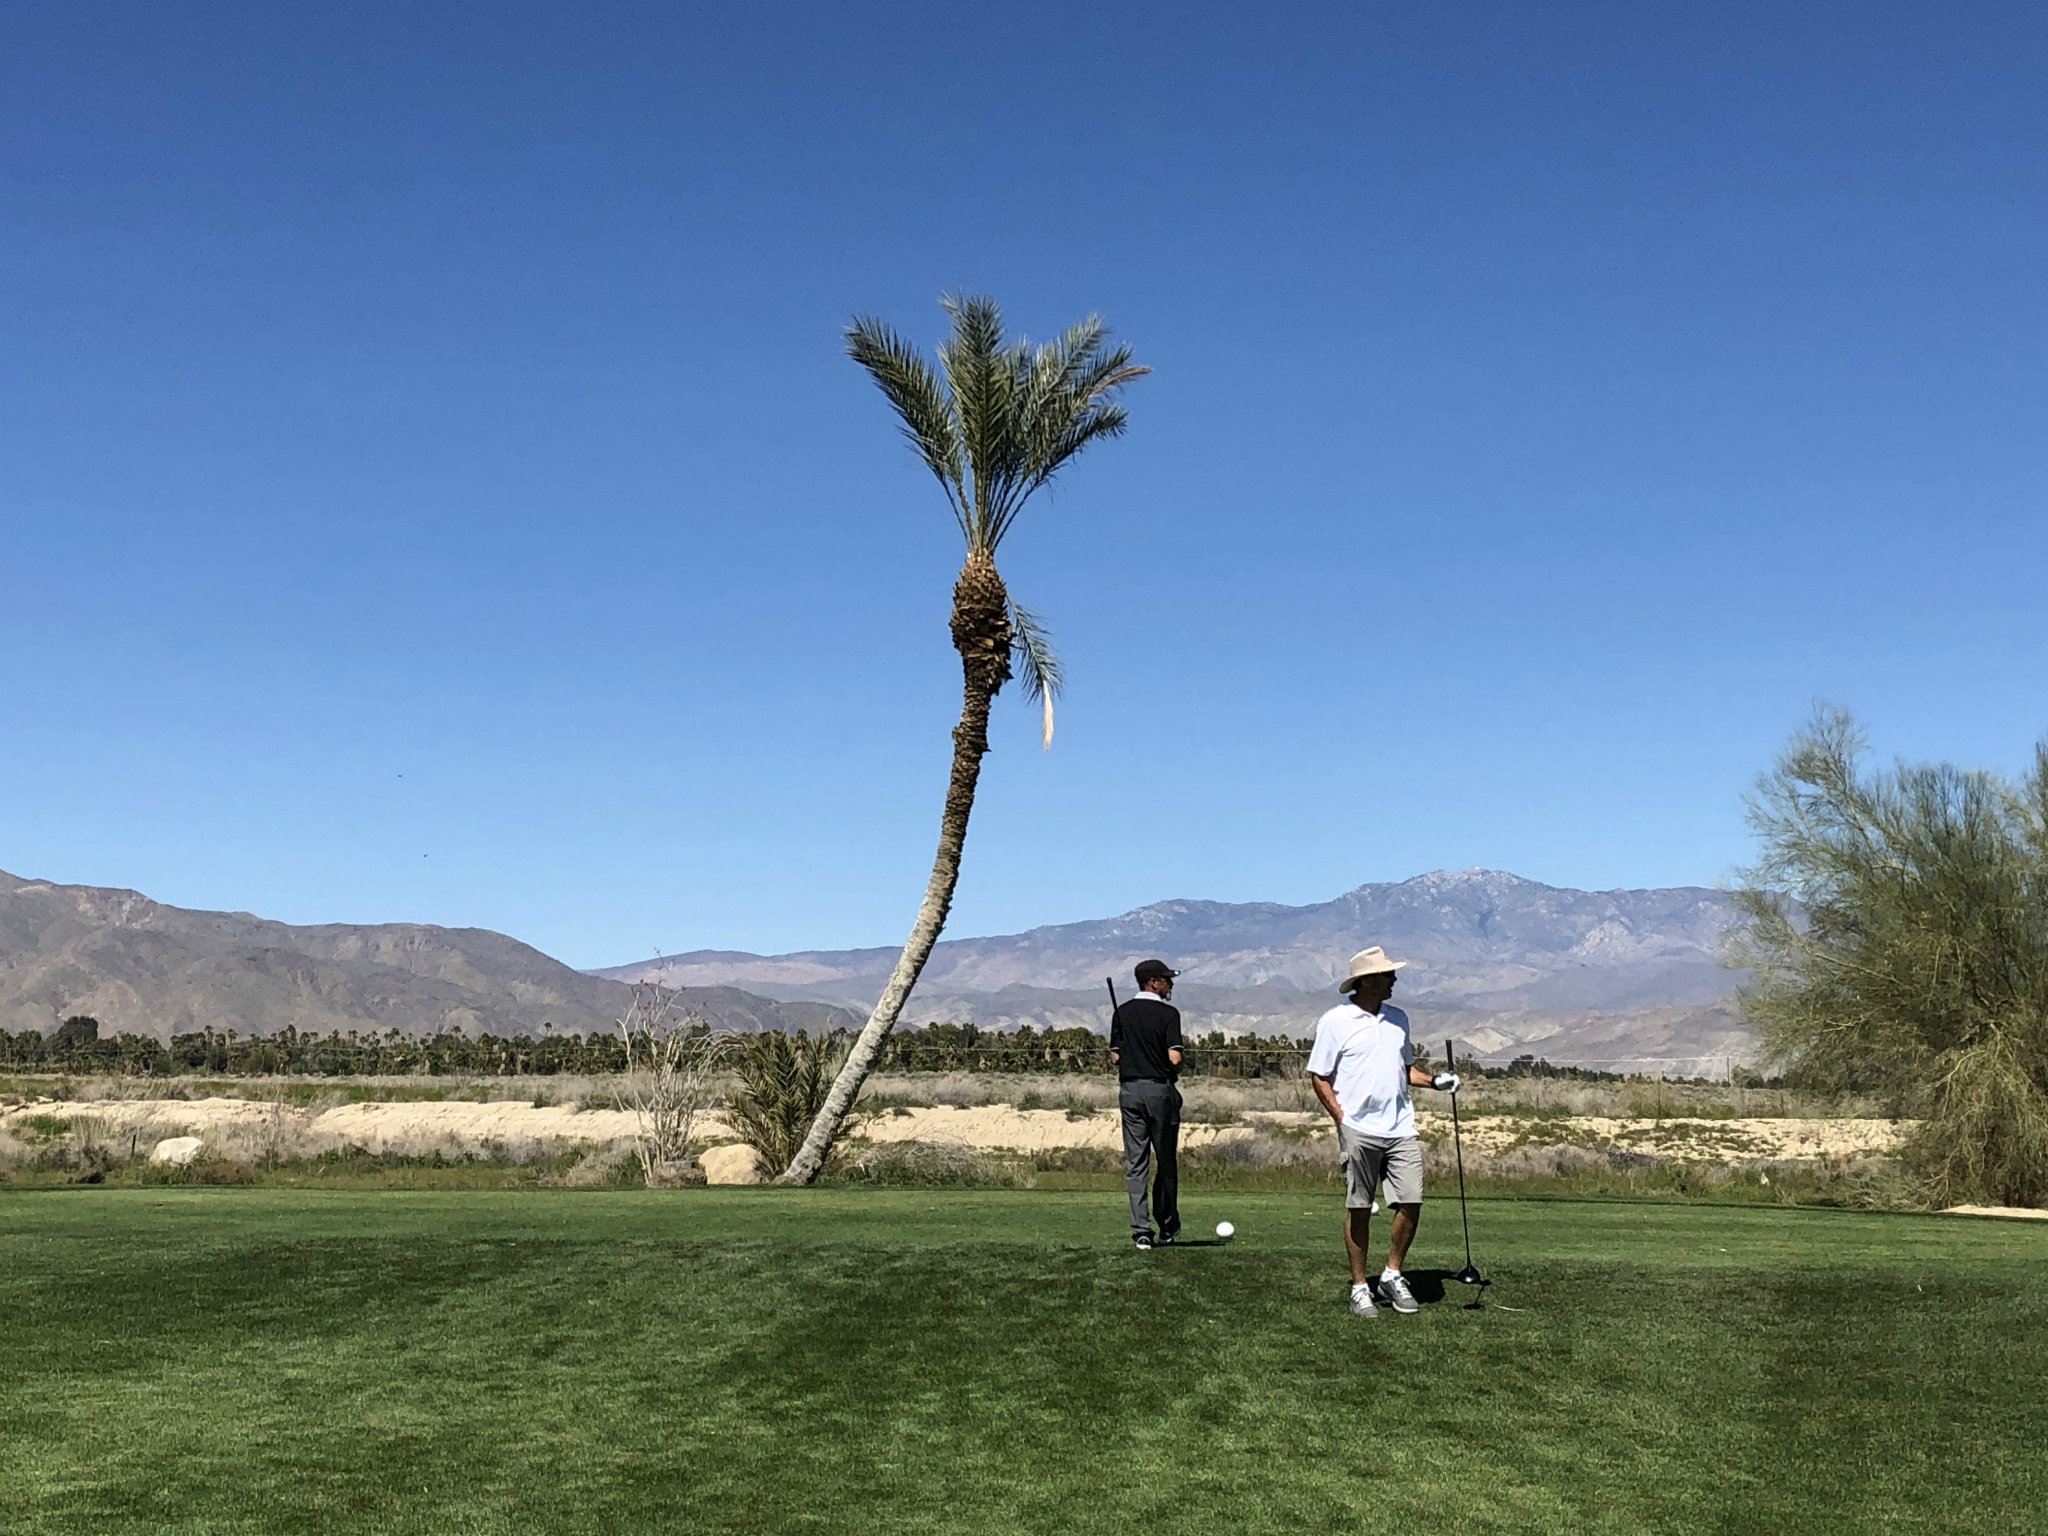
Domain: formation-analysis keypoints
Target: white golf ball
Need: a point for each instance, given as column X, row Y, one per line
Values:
column 1225, row 1229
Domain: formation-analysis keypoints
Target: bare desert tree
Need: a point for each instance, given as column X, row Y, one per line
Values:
column 672, row 1055
column 1898, row 933
column 993, row 422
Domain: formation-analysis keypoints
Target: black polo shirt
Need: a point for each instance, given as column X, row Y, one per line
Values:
column 1141, row 1033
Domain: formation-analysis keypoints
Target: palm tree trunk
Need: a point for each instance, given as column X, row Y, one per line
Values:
column 970, row 743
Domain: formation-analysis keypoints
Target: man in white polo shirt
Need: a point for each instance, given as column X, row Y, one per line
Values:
column 1362, row 1067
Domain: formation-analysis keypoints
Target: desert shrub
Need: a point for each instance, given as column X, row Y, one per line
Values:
column 1260, row 1151
column 207, row 1168
column 1897, row 925
column 598, row 1168
column 929, row 1165
column 1077, row 1160
column 783, row 1080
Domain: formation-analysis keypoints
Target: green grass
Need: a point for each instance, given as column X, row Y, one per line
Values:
column 270, row 1360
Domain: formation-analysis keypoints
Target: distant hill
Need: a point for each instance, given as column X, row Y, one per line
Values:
column 1628, row 979
column 144, row 968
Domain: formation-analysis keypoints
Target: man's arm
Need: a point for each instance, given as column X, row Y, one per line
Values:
column 1328, row 1095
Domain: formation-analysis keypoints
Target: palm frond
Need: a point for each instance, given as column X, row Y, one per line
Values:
column 1024, row 412
column 1038, row 665
column 921, row 404
column 996, row 420
column 1071, row 402
column 980, row 373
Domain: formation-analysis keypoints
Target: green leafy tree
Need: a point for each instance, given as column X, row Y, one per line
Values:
column 995, row 421
column 76, row 1033
column 1898, row 931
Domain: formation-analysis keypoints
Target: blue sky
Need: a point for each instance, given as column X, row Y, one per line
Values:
column 431, row 487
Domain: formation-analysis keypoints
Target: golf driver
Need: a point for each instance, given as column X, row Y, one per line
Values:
column 1469, row 1275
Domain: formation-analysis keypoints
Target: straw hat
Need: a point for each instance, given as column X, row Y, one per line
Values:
column 1368, row 962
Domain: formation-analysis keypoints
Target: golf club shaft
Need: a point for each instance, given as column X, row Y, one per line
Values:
column 1458, row 1140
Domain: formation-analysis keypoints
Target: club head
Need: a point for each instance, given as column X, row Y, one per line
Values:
column 1469, row 1276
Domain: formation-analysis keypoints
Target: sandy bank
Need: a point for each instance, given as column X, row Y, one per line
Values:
column 243, row 1128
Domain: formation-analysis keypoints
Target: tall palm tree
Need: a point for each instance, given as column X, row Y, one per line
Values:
column 993, row 422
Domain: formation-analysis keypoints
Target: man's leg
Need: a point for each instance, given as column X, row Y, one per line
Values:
column 1406, row 1217
column 1404, row 1194
column 1137, row 1155
column 1360, row 1160
column 1166, row 1162
column 1357, row 1233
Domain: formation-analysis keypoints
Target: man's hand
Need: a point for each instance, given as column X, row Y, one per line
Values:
column 1445, row 1082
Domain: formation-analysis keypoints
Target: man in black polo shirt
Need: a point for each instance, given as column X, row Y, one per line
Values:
column 1145, row 1048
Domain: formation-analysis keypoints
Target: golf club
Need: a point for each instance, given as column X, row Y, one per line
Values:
column 1469, row 1275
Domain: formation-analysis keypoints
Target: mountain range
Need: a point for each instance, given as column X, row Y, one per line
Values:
column 141, row 967
column 1630, row 979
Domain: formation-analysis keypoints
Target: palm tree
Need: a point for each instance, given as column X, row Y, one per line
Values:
column 995, row 421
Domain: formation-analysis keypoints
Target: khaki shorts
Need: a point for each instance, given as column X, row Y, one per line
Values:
column 1368, row 1160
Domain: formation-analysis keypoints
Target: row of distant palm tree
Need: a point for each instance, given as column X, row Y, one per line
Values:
column 994, row 421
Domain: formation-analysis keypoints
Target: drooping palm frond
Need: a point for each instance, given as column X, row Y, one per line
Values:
column 1038, row 665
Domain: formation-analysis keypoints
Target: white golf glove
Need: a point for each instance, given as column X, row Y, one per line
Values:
column 1446, row 1082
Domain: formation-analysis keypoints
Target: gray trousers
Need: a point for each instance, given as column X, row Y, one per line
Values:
column 1151, row 1115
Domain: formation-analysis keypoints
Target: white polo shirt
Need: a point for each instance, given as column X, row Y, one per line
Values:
column 1365, row 1056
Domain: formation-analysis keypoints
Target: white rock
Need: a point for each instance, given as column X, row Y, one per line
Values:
column 735, row 1164
column 176, row 1149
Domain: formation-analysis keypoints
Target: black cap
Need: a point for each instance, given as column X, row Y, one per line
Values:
column 1154, row 970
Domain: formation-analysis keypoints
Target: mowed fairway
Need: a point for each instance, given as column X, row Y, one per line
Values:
column 767, row 1360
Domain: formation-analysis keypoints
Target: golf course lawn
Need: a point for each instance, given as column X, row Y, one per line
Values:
column 780, row 1360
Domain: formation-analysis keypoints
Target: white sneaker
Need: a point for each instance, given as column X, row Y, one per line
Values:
column 1398, row 1296
column 1361, row 1301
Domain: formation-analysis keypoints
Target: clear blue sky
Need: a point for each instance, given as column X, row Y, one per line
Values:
column 431, row 487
